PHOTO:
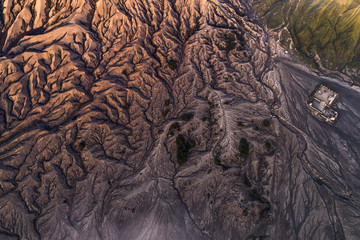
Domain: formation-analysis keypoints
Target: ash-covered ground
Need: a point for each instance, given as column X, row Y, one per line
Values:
column 166, row 119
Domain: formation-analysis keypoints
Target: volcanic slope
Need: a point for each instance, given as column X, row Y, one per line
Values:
column 146, row 120
column 324, row 32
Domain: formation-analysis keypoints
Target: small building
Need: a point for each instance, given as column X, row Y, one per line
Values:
column 322, row 101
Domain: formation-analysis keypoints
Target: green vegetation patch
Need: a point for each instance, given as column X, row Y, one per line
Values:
column 174, row 127
column 81, row 145
column 218, row 162
column 268, row 146
column 187, row 116
column 255, row 194
column 183, row 147
column 266, row 123
column 173, row 65
column 167, row 103
column 230, row 41
column 244, row 148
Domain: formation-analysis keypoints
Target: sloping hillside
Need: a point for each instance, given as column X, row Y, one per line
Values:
column 164, row 119
column 329, row 29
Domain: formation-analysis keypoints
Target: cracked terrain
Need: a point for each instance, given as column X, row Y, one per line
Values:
column 166, row 119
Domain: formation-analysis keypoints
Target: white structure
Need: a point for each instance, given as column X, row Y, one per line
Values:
column 322, row 101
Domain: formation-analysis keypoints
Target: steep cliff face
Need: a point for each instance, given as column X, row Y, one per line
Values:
column 146, row 120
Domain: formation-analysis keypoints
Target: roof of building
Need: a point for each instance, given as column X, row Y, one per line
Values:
column 325, row 95
column 322, row 100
